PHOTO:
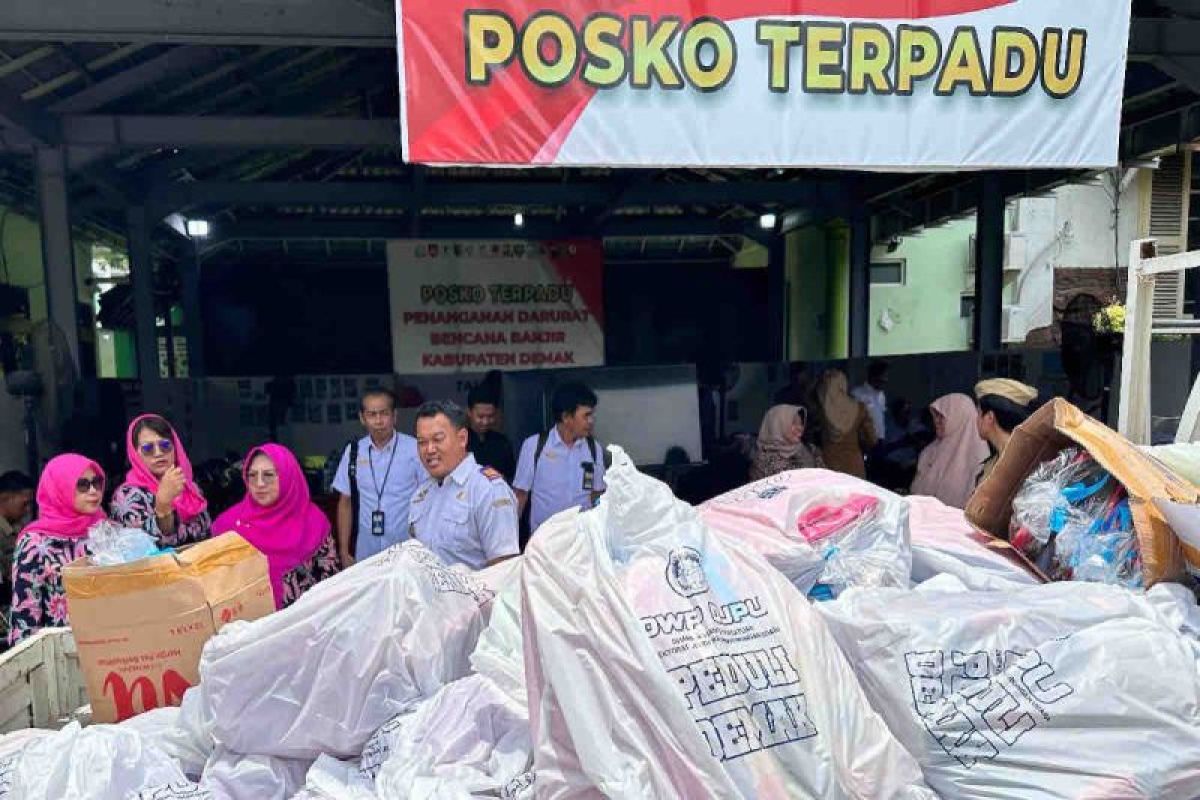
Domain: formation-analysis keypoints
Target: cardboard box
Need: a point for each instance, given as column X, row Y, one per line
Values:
column 140, row 627
column 1058, row 425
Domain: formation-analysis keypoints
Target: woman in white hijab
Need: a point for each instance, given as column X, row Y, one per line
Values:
column 949, row 468
column 781, row 444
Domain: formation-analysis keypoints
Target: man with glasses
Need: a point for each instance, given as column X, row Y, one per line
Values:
column 379, row 474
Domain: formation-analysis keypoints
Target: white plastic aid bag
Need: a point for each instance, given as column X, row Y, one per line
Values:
column 100, row 762
column 179, row 731
column 233, row 776
column 816, row 526
column 330, row 779
column 322, row 675
column 1055, row 692
column 470, row 739
column 498, row 654
column 11, row 747
column 664, row 663
column 945, row 543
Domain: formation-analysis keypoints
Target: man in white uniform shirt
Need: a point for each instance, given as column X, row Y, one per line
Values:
column 873, row 395
column 386, row 471
column 464, row 513
column 564, row 467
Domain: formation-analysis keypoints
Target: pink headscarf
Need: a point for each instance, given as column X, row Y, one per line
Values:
column 949, row 468
column 289, row 532
column 191, row 502
column 56, row 498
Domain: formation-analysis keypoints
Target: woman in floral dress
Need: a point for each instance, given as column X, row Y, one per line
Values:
column 68, row 495
column 159, row 494
column 279, row 519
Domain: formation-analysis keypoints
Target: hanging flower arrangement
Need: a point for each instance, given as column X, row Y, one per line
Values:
column 1110, row 319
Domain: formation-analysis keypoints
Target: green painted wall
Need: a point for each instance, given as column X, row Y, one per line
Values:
column 818, row 279
column 21, row 265
column 839, row 289
column 807, row 294
column 21, row 261
column 926, row 310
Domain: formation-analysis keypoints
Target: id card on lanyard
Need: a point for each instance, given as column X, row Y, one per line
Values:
column 589, row 476
column 378, row 518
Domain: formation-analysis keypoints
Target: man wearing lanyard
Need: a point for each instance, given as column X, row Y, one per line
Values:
column 387, row 472
column 564, row 467
column 464, row 513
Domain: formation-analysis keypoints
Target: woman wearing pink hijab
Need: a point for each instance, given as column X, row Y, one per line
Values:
column 949, row 468
column 279, row 519
column 68, row 496
column 159, row 495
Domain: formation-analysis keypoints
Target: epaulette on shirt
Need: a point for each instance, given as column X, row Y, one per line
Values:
column 491, row 474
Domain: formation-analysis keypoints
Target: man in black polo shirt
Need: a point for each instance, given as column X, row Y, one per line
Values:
column 490, row 447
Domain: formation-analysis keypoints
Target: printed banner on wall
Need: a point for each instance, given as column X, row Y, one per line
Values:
column 885, row 84
column 476, row 306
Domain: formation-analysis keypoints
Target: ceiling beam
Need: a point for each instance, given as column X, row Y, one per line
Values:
column 324, row 23
column 473, row 228
column 136, row 132
column 15, row 114
column 170, row 197
column 1185, row 69
column 334, row 23
column 1163, row 37
column 927, row 208
column 1179, row 126
column 137, row 78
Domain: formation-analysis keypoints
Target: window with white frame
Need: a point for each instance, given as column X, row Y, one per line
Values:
column 888, row 272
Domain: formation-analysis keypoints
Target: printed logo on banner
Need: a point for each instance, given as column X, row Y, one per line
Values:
column 974, row 704
column 685, row 572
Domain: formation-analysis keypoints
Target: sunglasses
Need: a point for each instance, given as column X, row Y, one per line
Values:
column 84, row 485
column 163, row 446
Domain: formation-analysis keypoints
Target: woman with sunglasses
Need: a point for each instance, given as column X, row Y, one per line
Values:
column 280, row 520
column 781, row 444
column 159, row 494
column 68, row 497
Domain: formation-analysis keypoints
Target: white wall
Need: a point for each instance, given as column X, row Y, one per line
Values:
column 1071, row 228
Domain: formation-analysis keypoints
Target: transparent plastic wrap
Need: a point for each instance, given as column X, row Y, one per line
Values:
column 822, row 530
column 1073, row 519
column 862, row 539
column 111, row 544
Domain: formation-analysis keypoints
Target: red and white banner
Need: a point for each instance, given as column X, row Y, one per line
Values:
column 876, row 84
column 475, row 306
